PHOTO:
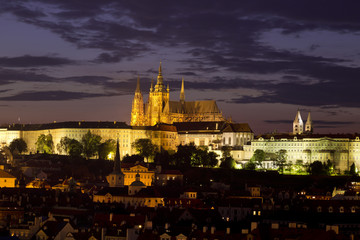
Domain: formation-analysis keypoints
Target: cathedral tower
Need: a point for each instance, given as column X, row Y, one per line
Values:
column 157, row 107
column 182, row 92
column 137, row 111
column 308, row 124
column 298, row 125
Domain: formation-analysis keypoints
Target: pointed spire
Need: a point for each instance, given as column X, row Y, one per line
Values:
column 298, row 117
column 160, row 69
column 298, row 125
column 152, row 85
column 308, row 124
column 159, row 78
column 309, row 119
column 182, row 92
column 168, row 88
column 138, row 85
column 117, row 163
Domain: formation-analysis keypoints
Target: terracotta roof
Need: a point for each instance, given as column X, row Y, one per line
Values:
column 237, row 127
column 4, row 174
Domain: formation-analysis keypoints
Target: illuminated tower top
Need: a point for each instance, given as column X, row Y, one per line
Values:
column 298, row 124
column 159, row 87
column 309, row 124
column 137, row 90
column 182, row 92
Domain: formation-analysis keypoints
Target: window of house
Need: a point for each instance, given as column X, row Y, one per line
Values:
column 341, row 209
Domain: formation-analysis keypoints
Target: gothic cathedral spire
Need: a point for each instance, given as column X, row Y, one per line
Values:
column 182, row 92
column 137, row 111
column 298, row 125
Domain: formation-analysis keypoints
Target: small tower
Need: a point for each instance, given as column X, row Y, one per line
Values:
column 182, row 92
column 309, row 124
column 298, row 125
column 116, row 178
column 137, row 111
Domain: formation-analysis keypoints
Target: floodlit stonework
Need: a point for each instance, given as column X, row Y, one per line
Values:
column 159, row 109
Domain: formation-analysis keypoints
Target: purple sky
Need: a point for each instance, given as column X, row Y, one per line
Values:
column 260, row 59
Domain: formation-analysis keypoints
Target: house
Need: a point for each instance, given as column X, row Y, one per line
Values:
column 56, row 230
column 7, row 180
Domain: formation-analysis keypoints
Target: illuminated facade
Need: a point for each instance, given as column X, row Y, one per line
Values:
column 159, row 109
column 162, row 136
column 341, row 149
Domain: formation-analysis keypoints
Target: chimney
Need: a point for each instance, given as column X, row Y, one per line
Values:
column 227, row 230
column 204, row 229
column 213, row 230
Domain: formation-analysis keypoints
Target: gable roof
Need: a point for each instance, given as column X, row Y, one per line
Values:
column 4, row 174
column 237, row 127
column 195, row 107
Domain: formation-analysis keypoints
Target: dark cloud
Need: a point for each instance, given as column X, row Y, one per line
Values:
column 34, row 61
column 51, row 96
column 282, row 121
column 316, row 123
column 220, row 39
column 326, row 122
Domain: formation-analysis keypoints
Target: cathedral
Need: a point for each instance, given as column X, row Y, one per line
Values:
column 159, row 108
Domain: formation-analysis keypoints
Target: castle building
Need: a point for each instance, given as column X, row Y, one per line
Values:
column 340, row 149
column 159, row 108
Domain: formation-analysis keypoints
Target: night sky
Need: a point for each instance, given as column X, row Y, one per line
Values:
column 261, row 60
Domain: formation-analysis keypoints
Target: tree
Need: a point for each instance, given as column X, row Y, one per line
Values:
column 45, row 144
column 107, row 147
column 317, row 168
column 182, row 158
column 250, row 165
column 281, row 160
column 63, row 145
column 75, row 148
column 90, row 143
column 258, row 157
column 299, row 166
column 145, row 148
column 353, row 170
column 18, row 146
column 132, row 159
column 212, row 159
column 227, row 161
column 329, row 168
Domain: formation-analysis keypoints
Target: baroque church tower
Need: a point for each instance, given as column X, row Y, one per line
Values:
column 116, row 178
column 137, row 111
column 298, row 125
